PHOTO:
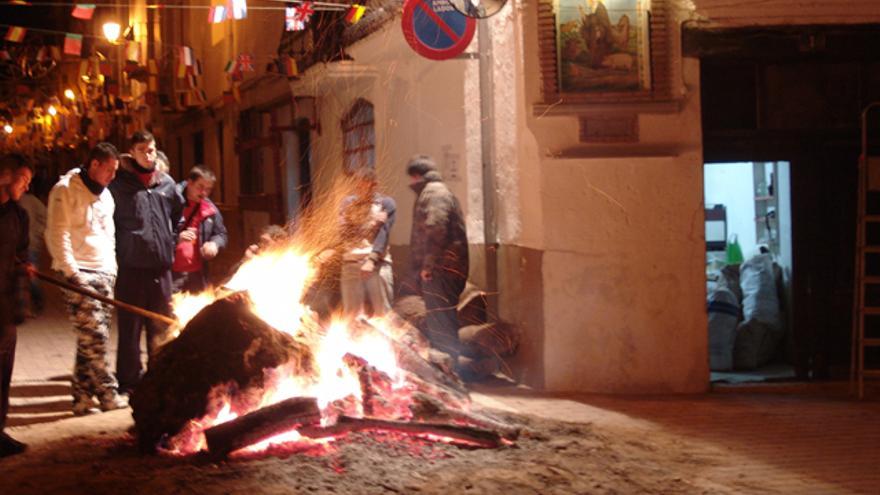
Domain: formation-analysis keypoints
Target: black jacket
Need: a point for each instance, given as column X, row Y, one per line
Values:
column 211, row 229
column 145, row 217
column 13, row 255
column 439, row 238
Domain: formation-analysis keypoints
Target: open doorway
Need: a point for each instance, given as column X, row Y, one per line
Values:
column 749, row 270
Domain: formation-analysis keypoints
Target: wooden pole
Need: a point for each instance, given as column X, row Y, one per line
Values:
column 131, row 308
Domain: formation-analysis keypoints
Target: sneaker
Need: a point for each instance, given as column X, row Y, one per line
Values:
column 114, row 402
column 84, row 408
column 10, row 446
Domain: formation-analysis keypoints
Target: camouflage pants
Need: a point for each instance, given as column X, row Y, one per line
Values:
column 91, row 320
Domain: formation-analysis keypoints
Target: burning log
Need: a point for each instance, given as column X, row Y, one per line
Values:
column 426, row 407
column 461, row 435
column 262, row 424
column 224, row 344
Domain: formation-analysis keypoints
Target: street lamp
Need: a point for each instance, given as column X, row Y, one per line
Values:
column 112, row 31
column 68, row 93
column 7, row 129
column 52, row 110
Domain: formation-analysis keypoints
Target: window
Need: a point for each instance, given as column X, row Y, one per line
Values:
column 359, row 137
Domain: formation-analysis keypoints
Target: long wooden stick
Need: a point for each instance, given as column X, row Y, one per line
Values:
column 131, row 308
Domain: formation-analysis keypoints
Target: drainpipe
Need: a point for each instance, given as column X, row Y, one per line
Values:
column 487, row 156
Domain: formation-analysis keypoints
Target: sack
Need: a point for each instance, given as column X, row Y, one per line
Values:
column 724, row 313
column 734, row 251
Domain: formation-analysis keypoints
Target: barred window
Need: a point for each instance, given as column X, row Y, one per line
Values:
column 359, row 137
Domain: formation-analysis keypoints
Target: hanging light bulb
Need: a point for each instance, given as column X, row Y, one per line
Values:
column 68, row 93
column 52, row 110
column 112, row 31
column 7, row 129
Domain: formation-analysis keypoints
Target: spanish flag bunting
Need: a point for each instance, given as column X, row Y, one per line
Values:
column 355, row 13
column 290, row 68
column 73, row 44
column 83, row 11
column 16, row 34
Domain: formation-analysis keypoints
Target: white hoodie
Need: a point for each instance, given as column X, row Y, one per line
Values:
column 80, row 233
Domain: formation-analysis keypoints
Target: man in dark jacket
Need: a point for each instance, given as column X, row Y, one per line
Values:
column 202, row 233
column 15, row 176
column 438, row 253
column 148, row 207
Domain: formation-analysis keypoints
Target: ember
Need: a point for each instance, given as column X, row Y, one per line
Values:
column 258, row 368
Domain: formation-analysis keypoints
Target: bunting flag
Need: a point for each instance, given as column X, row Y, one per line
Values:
column 128, row 35
column 83, row 11
column 230, row 67
column 291, row 20
column 239, row 9
column 15, row 34
column 217, row 14
column 245, row 62
column 73, row 44
column 133, row 51
column 355, row 13
column 186, row 55
column 197, row 68
column 304, row 11
column 181, row 70
column 290, row 68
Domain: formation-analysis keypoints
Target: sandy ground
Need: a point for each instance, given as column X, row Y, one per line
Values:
column 611, row 445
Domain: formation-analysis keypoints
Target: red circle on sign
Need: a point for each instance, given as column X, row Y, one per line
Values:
column 409, row 31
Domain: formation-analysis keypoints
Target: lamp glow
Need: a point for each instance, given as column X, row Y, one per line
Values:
column 68, row 93
column 7, row 129
column 112, row 31
column 52, row 110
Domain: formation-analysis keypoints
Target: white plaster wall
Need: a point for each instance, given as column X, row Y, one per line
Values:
column 732, row 184
column 420, row 107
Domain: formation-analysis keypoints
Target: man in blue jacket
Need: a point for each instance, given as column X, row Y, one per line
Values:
column 148, row 207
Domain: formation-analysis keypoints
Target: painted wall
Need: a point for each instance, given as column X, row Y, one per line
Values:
column 732, row 184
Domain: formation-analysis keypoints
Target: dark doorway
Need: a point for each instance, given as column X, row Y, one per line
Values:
column 796, row 94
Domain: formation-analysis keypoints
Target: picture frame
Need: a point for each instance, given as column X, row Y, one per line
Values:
column 603, row 47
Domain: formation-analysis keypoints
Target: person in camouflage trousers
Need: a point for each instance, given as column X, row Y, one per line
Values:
column 81, row 215
column 91, row 320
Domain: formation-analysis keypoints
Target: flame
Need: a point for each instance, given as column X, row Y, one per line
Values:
column 276, row 282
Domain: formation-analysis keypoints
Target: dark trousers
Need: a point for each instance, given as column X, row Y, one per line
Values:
column 7, row 359
column 150, row 289
column 192, row 282
column 441, row 303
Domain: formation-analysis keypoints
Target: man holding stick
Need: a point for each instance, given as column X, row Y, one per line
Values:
column 81, row 214
column 15, row 175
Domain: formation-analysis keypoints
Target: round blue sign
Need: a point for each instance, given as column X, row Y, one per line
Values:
column 435, row 30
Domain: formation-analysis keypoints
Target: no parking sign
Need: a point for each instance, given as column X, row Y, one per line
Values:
column 435, row 30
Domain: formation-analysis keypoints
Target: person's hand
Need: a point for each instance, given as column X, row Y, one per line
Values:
column 368, row 267
column 425, row 274
column 381, row 216
column 188, row 235
column 252, row 251
column 209, row 250
column 324, row 256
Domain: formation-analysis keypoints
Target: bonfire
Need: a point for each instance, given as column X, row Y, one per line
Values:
column 253, row 366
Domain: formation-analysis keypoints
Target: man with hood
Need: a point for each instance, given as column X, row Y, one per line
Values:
column 148, row 208
column 15, row 176
column 81, row 239
column 202, row 233
column 439, row 253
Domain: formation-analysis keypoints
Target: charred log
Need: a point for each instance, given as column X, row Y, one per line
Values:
column 466, row 436
column 429, row 408
column 224, row 344
column 262, row 424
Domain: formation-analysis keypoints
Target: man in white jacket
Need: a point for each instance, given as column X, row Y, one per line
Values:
column 81, row 237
